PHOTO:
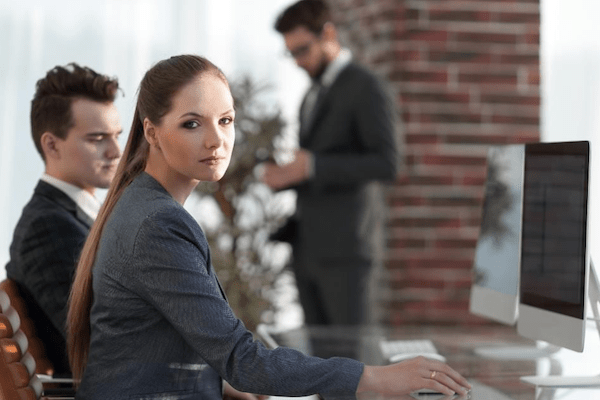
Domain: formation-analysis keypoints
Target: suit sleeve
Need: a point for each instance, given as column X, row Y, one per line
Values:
column 50, row 251
column 173, row 273
column 376, row 127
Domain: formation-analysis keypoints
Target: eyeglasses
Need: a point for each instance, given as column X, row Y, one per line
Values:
column 301, row 51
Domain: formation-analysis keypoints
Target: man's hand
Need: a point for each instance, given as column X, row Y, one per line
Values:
column 283, row 176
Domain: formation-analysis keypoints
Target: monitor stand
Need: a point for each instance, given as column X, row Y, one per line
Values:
column 575, row 381
column 518, row 352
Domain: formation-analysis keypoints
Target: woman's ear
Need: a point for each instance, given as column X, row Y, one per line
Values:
column 50, row 145
column 150, row 133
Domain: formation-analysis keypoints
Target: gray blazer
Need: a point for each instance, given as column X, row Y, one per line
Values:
column 353, row 134
column 161, row 326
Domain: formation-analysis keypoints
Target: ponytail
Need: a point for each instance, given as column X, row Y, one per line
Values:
column 131, row 165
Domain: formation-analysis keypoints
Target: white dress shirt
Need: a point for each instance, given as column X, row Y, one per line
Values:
column 84, row 199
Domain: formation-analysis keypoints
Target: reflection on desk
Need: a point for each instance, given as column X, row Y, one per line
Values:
column 492, row 379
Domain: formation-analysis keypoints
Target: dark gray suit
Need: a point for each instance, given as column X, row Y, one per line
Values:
column 161, row 326
column 353, row 136
column 43, row 254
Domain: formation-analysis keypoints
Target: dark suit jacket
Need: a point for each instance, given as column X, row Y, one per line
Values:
column 353, row 135
column 161, row 326
column 45, row 249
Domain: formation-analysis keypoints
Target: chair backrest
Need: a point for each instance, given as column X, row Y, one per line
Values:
column 36, row 346
column 17, row 365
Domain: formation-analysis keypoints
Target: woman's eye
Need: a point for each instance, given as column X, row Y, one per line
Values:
column 226, row 120
column 191, row 124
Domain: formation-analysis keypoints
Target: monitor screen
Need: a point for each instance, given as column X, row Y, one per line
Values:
column 554, row 230
column 495, row 285
column 554, row 234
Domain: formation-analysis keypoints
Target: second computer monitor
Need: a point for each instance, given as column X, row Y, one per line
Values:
column 495, row 286
column 554, row 256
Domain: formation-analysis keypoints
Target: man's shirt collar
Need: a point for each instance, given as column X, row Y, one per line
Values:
column 335, row 67
column 84, row 199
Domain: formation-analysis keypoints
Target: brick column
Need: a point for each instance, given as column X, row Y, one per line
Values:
column 466, row 75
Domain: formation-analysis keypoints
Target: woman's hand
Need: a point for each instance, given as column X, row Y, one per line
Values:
column 411, row 375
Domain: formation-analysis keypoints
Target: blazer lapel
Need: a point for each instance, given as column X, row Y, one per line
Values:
column 221, row 289
column 59, row 197
column 83, row 217
column 321, row 105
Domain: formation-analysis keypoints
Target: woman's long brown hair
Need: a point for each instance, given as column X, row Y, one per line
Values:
column 155, row 95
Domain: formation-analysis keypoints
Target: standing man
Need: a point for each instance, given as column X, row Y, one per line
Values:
column 348, row 140
column 75, row 126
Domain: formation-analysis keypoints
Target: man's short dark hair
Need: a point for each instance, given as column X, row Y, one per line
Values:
column 312, row 14
column 54, row 94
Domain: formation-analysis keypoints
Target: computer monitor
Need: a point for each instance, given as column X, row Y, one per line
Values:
column 495, row 285
column 555, row 262
column 554, row 253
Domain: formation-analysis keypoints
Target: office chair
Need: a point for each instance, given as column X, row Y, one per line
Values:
column 36, row 347
column 17, row 366
column 18, row 379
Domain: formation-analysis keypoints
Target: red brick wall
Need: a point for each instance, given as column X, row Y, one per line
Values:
column 466, row 75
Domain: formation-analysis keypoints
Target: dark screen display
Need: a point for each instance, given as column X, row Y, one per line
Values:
column 553, row 256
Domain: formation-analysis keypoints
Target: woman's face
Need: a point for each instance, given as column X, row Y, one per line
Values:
column 194, row 140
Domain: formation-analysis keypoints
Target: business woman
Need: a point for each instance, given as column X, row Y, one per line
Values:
column 148, row 318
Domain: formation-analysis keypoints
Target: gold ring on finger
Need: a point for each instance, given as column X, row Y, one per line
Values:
column 433, row 374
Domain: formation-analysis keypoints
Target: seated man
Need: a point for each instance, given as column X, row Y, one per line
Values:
column 75, row 126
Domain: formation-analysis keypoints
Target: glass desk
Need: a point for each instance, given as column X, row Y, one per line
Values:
column 494, row 377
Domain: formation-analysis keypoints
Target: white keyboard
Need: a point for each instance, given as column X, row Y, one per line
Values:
column 398, row 350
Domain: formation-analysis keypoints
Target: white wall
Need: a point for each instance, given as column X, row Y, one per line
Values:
column 122, row 38
column 570, row 84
